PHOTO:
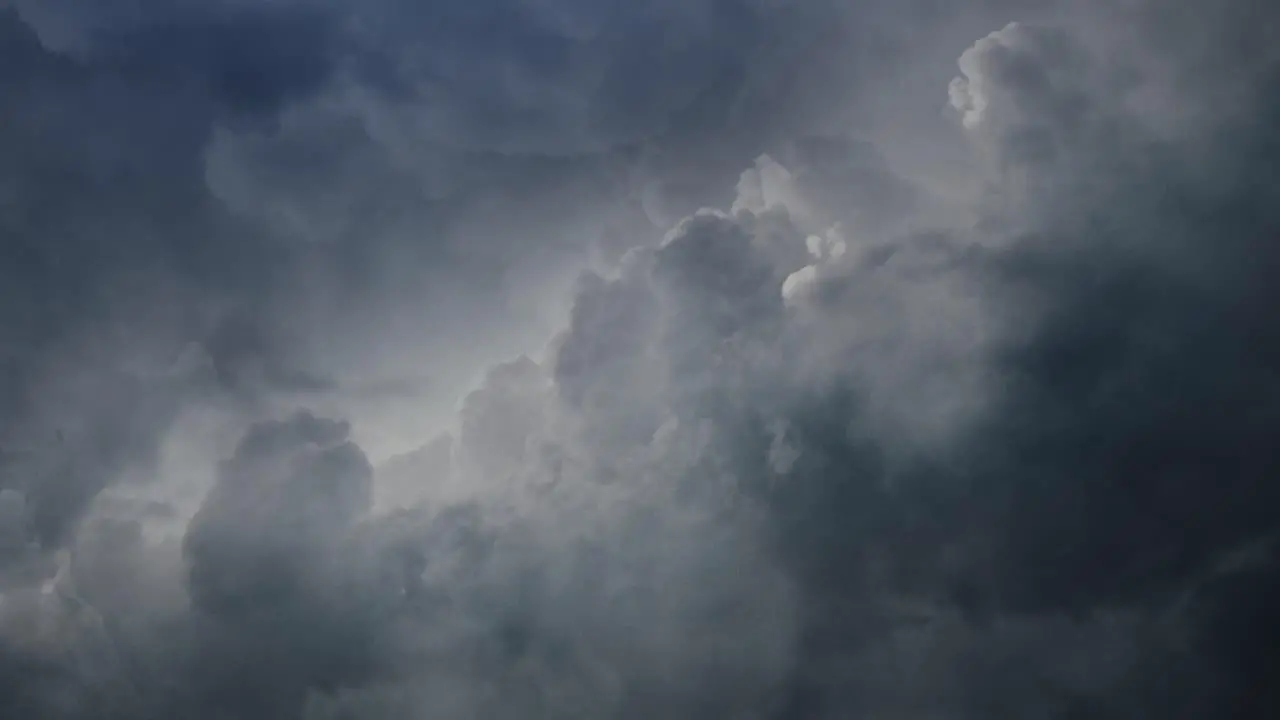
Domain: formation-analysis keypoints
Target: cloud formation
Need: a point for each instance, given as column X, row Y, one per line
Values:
column 816, row 444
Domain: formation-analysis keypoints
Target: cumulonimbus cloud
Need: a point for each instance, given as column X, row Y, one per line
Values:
column 813, row 454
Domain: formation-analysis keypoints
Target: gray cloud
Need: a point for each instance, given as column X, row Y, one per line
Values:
column 836, row 449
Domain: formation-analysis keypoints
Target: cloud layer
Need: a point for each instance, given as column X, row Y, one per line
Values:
column 814, row 431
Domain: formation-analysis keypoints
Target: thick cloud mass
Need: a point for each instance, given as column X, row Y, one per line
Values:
column 870, row 361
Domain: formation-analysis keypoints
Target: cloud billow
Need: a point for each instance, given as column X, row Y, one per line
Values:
column 831, row 450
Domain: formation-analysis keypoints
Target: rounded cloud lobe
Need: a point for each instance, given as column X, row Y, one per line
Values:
column 827, row 451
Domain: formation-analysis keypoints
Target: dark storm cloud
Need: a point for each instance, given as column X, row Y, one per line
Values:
column 1143, row 374
column 1122, row 448
column 113, row 250
column 815, row 455
column 1146, row 386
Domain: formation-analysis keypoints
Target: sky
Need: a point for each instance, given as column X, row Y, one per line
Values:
column 629, row 359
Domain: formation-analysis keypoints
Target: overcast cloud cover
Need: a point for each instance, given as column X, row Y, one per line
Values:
column 899, row 360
